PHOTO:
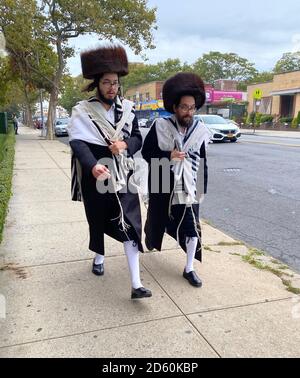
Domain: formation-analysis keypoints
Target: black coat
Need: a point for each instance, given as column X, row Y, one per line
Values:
column 101, row 209
column 158, row 210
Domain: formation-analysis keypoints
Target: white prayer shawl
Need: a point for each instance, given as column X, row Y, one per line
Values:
column 86, row 115
column 186, row 172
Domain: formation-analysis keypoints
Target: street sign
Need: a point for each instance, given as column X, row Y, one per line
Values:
column 257, row 94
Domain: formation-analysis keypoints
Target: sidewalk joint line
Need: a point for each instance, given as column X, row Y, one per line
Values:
column 183, row 314
column 92, row 331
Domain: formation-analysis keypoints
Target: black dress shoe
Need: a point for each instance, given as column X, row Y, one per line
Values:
column 148, row 244
column 141, row 292
column 193, row 279
column 98, row 269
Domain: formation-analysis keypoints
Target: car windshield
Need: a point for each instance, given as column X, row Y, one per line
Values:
column 62, row 121
column 212, row 120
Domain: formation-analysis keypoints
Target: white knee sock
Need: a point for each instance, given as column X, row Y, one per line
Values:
column 99, row 259
column 191, row 245
column 132, row 253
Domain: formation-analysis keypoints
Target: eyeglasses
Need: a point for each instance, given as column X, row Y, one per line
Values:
column 185, row 108
column 108, row 84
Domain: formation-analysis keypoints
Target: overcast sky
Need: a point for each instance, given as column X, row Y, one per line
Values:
column 259, row 30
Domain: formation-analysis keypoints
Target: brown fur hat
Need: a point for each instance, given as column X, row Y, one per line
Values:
column 183, row 84
column 110, row 58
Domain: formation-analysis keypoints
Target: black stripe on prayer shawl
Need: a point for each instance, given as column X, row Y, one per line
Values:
column 189, row 132
column 101, row 132
column 126, row 132
column 118, row 112
column 75, row 186
column 173, row 122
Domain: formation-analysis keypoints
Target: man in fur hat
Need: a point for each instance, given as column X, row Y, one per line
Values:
column 104, row 136
column 175, row 149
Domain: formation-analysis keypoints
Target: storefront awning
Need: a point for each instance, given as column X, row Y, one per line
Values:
column 285, row 92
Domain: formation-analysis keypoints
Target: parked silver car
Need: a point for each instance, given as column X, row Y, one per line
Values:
column 221, row 130
column 61, row 126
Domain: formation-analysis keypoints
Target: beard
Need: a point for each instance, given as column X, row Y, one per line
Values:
column 105, row 100
column 185, row 121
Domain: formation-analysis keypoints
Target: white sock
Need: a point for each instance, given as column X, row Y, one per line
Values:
column 191, row 245
column 99, row 259
column 132, row 253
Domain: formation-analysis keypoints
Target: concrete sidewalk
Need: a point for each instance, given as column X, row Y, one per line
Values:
column 55, row 306
column 272, row 133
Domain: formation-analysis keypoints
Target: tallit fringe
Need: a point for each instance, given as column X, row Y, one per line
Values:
column 196, row 228
column 177, row 232
column 123, row 225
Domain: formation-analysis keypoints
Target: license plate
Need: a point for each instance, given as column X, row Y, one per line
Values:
column 230, row 135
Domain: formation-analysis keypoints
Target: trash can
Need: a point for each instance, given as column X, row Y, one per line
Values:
column 3, row 123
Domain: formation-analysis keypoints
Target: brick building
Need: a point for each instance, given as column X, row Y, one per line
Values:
column 280, row 97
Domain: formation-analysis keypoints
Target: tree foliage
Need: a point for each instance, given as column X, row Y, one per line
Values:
column 215, row 65
column 71, row 92
column 145, row 73
column 288, row 62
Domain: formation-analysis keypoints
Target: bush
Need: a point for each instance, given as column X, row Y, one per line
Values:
column 251, row 118
column 267, row 118
column 286, row 119
column 7, row 152
column 294, row 124
column 258, row 119
column 298, row 118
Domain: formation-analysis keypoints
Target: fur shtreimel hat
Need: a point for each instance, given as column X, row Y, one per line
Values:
column 183, row 84
column 110, row 58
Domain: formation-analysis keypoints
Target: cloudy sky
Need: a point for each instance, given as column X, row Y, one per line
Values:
column 259, row 30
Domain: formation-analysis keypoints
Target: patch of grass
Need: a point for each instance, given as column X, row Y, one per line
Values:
column 7, row 153
column 257, row 252
column 273, row 261
column 279, row 271
column 290, row 288
column 207, row 248
column 230, row 244
column 283, row 267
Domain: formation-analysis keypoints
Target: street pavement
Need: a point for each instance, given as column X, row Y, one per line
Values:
column 51, row 305
column 273, row 133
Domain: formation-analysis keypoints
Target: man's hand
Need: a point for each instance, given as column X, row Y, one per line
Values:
column 117, row 147
column 177, row 155
column 100, row 172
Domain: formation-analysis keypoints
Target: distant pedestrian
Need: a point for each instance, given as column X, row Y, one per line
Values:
column 15, row 122
column 105, row 128
column 176, row 188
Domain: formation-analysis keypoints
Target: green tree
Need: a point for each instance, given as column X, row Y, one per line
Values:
column 30, row 56
column 71, row 92
column 215, row 65
column 129, row 21
column 260, row 77
column 288, row 62
column 145, row 73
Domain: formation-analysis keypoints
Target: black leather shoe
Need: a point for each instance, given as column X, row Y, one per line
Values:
column 148, row 244
column 141, row 292
column 98, row 269
column 193, row 279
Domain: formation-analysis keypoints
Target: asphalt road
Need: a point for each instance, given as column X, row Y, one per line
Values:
column 254, row 193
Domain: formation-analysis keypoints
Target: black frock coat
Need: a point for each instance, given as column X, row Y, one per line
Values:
column 101, row 209
column 158, row 220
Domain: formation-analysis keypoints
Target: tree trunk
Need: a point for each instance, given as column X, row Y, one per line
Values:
column 55, row 91
column 28, row 111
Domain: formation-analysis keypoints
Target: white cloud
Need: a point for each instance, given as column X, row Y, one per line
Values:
column 260, row 31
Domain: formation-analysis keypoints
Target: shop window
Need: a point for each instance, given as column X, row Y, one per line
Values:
column 265, row 106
